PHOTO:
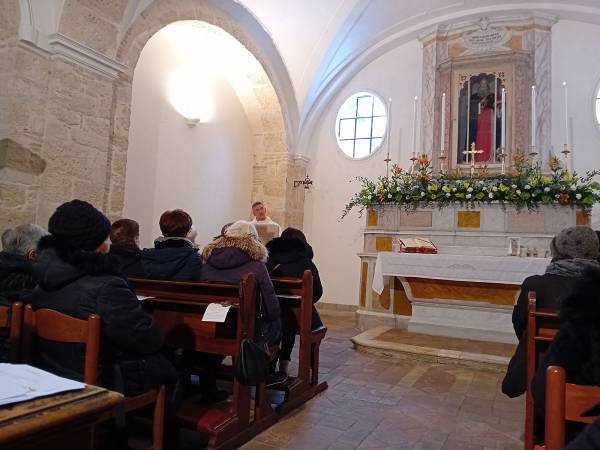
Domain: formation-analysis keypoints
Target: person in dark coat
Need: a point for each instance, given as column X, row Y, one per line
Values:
column 289, row 256
column 19, row 249
column 588, row 439
column 173, row 256
column 125, row 244
column 77, row 277
column 574, row 250
column 228, row 258
column 576, row 347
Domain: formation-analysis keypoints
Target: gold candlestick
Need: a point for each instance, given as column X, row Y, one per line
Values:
column 502, row 157
column 442, row 159
column 472, row 152
column 533, row 154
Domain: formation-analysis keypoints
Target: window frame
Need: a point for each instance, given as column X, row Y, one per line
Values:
column 337, row 120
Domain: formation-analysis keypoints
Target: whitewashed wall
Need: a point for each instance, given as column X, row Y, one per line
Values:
column 397, row 74
column 205, row 170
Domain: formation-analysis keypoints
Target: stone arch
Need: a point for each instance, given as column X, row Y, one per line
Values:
column 274, row 126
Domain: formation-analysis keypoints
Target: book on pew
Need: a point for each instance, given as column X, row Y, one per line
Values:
column 21, row 382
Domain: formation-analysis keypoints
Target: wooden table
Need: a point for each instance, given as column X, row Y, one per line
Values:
column 59, row 421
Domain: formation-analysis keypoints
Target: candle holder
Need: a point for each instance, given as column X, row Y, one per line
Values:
column 566, row 153
column 387, row 165
column 533, row 153
column 442, row 159
column 414, row 160
column 503, row 155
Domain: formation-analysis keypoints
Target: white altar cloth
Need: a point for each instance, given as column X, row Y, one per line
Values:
column 477, row 269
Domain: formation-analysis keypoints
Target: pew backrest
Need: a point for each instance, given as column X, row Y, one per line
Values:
column 11, row 319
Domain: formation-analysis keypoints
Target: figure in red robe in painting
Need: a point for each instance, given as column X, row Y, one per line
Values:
column 484, row 137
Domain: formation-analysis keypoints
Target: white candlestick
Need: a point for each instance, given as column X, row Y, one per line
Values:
column 533, row 95
column 443, row 126
column 389, row 126
column 414, row 135
column 564, row 83
column 503, row 122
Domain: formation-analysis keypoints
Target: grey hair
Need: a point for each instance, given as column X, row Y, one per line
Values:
column 22, row 239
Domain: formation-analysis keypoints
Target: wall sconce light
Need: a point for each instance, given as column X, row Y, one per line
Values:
column 307, row 182
column 191, row 96
column 191, row 122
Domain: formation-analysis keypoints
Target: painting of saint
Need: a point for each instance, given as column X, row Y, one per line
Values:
column 479, row 118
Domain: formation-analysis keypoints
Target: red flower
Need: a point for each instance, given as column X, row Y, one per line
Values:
column 563, row 199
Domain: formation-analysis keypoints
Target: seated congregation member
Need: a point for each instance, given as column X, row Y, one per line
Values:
column 173, row 256
column 573, row 250
column 576, row 347
column 19, row 250
column 77, row 277
column 289, row 256
column 125, row 244
column 228, row 258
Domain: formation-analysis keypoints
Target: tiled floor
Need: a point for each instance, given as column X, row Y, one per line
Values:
column 375, row 402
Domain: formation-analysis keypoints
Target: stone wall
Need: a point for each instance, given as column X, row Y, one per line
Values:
column 67, row 125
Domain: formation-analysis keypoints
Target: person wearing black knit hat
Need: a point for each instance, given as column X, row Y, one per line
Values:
column 77, row 277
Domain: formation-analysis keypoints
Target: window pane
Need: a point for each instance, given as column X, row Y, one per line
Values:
column 346, row 130
column 363, row 128
column 379, row 126
column 365, row 106
column 348, row 109
column 379, row 107
column 598, row 110
column 347, row 147
column 362, row 148
column 375, row 143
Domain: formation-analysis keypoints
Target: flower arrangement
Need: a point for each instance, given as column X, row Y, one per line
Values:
column 525, row 187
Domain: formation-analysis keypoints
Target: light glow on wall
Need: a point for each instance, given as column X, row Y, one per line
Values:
column 191, row 96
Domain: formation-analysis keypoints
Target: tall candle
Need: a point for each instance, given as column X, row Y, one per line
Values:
column 564, row 83
column 389, row 126
column 533, row 116
column 503, row 122
column 443, row 127
column 414, row 134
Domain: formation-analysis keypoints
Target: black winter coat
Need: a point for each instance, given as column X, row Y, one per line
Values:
column 290, row 258
column 15, row 283
column 88, row 284
column 228, row 259
column 576, row 347
column 130, row 258
column 172, row 259
column 551, row 291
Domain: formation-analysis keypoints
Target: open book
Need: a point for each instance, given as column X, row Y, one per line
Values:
column 267, row 231
column 417, row 245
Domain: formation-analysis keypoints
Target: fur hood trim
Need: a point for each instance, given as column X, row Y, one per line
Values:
column 250, row 246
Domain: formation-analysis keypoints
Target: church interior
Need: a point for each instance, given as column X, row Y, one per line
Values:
column 285, row 224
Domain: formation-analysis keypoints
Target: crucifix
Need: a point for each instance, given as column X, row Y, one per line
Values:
column 472, row 152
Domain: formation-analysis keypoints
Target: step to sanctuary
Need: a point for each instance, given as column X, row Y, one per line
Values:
column 397, row 343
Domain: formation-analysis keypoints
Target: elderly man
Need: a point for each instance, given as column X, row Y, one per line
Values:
column 19, row 248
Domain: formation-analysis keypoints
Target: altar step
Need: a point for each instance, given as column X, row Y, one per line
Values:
column 397, row 343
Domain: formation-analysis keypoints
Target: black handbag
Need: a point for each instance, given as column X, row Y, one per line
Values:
column 251, row 366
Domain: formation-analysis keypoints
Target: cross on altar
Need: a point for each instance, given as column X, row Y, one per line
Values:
column 472, row 152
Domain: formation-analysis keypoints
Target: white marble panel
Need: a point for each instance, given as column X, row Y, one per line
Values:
column 558, row 219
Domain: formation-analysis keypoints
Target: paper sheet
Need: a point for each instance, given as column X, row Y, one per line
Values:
column 141, row 298
column 215, row 312
column 20, row 382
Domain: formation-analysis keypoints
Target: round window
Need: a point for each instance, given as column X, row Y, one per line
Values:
column 361, row 125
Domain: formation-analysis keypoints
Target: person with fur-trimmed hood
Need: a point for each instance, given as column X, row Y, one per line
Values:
column 289, row 256
column 576, row 347
column 238, row 252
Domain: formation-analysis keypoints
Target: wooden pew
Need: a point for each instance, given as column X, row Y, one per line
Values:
column 178, row 307
column 297, row 293
column 565, row 401
column 542, row 326
column 11, row 319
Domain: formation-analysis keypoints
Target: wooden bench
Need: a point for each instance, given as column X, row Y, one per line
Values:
column 542, row 326
column 297, row 294
column 565, row 402
column 178, row 307
column 11, row 321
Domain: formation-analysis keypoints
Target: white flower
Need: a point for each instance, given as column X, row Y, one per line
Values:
column 453, row 189
column 468, row 196
column 481, row 182
column 578, row 196
column 491, row 195
column 429, row 188
column 573, row 187
column 514, row 186
column 470, row 189
column 495, row 189
column 389, row 195
column 518, row 192
column 447, row 194
column 534, row 194
column 422, row 194
column 407, row 197
column 527, row 187
column 546, row 189
column 556, row 196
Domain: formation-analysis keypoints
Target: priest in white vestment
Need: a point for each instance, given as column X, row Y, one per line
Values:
column 267, row 228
